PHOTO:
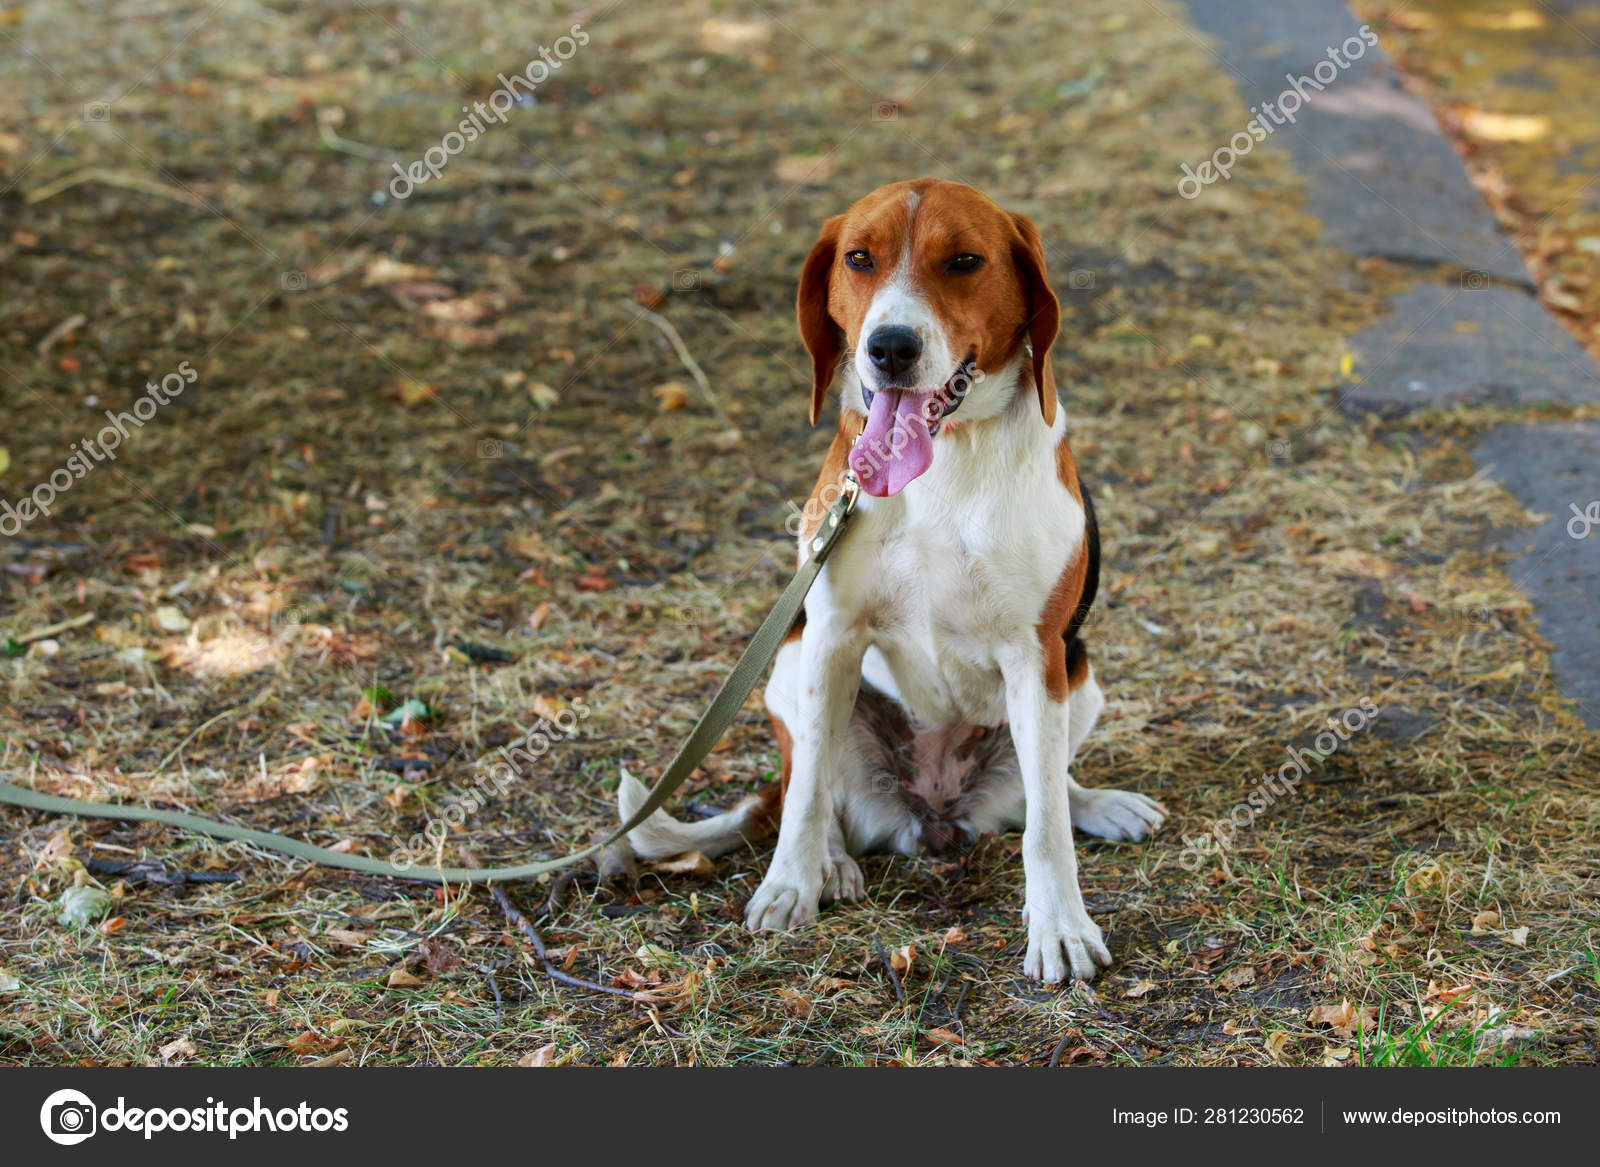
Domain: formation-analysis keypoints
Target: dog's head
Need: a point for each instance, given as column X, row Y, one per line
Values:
column 933, row 288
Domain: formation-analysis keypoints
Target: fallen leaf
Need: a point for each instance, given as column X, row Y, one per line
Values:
column 542, row 1056
column 689, row 863
column 671, row 395
column 805, row 168
column 1236, row 978
column 346, row 937
column 79, row 907
column 401, row 979
column 171, row 618
column 438, row 956
column 1504, row 127
column 1485, row 920
column 8, row 981
column 653, row 954
column 795, row 1004
column 902, row 958
column 1140, row 989
column 182, row 1048
column 1518, row 936
column 387, row 271
column 412, row 391
column 943, row 1036
column 732, row 36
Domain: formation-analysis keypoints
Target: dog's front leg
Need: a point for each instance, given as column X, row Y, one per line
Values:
column 825, row 693
column 1062, row 938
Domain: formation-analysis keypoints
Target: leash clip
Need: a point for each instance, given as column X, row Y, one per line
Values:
column 833, row 522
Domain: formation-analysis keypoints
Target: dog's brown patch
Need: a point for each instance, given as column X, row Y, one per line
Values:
column 1065, row 668
column 830, row 482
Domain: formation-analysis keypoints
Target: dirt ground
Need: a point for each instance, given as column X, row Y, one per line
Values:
column 441, row 475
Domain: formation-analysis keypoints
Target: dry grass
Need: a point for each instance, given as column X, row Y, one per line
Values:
column 329, row 528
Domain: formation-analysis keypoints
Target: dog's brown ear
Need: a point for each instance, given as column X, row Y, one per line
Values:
column 1044, row 313
column 824, row 339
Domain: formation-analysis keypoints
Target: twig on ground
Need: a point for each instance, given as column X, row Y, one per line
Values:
column 532, row 933
column 71, row 324
column 894, row 977
column 52, row 629
column 494, row 987
column 115, row 178
column 150, row 871
column 695, row 371
column 1061, row 1046
column 333, row 141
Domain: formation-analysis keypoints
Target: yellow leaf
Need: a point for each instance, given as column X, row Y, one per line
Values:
column 1509, row 672
column 1517, row 20
column 672, row 395
column 5, row 459
column 413, row 392
column 1504, row 127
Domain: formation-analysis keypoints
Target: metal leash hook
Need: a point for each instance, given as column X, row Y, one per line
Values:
column 822, row 542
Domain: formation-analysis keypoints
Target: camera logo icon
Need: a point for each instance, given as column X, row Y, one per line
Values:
column 68, row 1117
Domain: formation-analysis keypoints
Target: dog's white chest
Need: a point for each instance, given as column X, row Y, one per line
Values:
column 945, row 593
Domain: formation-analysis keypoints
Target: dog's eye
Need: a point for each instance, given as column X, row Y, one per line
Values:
column 860, row 260
column 966, row 261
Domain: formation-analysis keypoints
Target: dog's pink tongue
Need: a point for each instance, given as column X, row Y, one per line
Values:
column 896, row 445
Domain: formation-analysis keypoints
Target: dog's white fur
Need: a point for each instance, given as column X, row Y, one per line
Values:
column 934, row 598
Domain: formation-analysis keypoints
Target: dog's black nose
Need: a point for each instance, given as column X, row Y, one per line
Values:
column 893, row 349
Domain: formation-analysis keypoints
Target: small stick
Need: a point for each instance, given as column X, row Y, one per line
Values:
column 1061, row 1047
column 71, row 324
column 532, row 933
column 494, row 987
column 894, row 977
column 52, row 629
column 115, row 178
column 685, row 356
column 152, row 872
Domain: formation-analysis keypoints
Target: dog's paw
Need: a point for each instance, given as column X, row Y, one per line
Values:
column 784, row 901
column 1116, row 814
column 845, row 883
column 1063, row 942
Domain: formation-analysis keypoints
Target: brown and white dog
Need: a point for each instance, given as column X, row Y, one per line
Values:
column 953, row 607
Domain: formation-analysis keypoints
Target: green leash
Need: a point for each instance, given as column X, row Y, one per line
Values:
column 713, row 723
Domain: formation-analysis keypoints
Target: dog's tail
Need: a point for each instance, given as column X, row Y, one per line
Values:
column 661, row 836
